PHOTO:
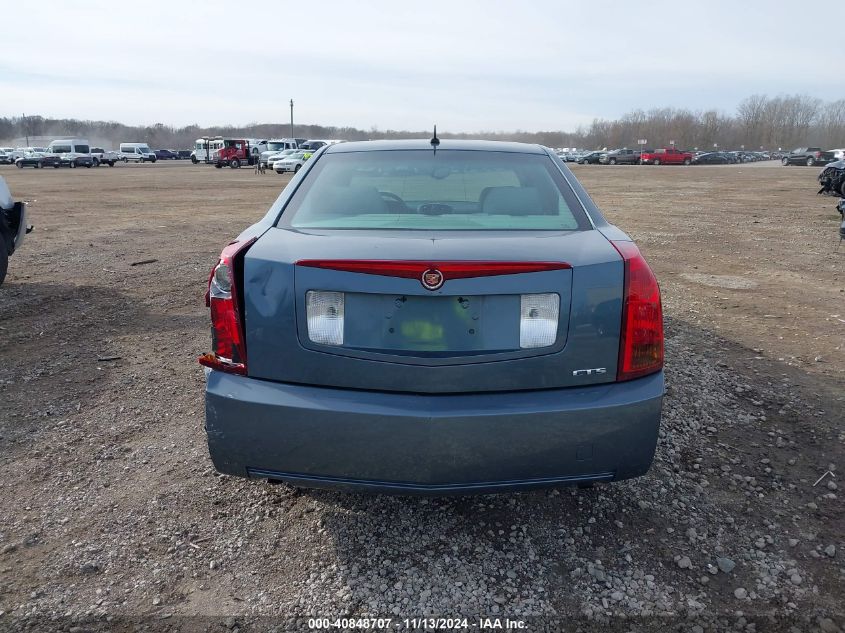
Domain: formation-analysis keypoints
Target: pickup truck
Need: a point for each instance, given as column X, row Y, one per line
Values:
column 666, row 156
column 808, row 156
column 102, row 157
column 13, row 227
column 621, row 157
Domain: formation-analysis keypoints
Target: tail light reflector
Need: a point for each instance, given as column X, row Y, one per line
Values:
column 641, row 339
column 228, row 339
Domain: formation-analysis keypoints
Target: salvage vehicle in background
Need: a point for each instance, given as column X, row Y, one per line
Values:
column 104, row 157
column 13, row 227
column 623, row 156
column 205, row 147
column 272, row 159
column 39, row 160
column 73, row 152
column 712, row 158
column 234, row 153
column 276, row 146
column 832, row 179
column 166, row 154
column 666, row 156
column 419, row 321
column 808, row 156
column 591, row 158
column 292, row 162
column 6, row 157
column 136, row 152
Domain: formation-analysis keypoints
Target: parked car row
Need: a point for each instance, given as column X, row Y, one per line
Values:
column 236, row 152
column 672, row 156
column 78, row 153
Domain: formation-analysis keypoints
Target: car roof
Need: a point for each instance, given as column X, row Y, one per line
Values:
column 445, row 144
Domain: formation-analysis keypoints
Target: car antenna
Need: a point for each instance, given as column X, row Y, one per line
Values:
column 434, row 140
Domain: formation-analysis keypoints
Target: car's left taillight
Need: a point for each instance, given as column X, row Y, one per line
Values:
column 224, row 297
column 641, row 337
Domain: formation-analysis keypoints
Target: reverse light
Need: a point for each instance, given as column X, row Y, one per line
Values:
column 228, row 339
column 538, row 317
column 324, row 311
column 641, row 336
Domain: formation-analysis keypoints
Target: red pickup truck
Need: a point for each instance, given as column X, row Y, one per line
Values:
column 667, row 156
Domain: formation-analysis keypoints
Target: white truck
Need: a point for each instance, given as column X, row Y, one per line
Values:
column 275, row 146
column 104, row 157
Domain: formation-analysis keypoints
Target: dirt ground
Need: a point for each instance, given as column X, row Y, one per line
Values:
column 112, row 518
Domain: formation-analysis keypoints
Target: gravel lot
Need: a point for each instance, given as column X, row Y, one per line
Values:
column 112, row 518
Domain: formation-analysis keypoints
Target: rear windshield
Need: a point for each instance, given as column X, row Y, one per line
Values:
column 447, row 190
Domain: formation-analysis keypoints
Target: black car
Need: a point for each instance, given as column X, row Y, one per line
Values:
column 166, row 154
column 76, row 160
column 712, row 158
column 591, row 159
column 184, row 154
column 38, row 160
column 808, row 156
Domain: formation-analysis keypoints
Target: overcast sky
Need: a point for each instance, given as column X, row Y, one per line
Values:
column 465, row 65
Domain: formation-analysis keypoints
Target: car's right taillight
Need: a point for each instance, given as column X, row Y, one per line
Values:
column 228, row 340
column 641, row 337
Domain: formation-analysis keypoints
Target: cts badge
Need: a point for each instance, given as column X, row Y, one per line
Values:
column 590, row 372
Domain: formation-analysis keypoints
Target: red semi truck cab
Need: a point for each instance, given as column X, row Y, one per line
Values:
column 234, row 153
column 667, row 156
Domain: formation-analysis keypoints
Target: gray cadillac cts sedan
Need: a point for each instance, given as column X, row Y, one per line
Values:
column 420, row 317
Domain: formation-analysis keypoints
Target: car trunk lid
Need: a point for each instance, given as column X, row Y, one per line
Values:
column 463, row 335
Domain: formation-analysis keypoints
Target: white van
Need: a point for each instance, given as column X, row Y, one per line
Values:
column 139, row 152
column 69, row 146
column 74, row 152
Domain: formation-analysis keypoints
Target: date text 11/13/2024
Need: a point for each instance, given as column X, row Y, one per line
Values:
column 417, row 624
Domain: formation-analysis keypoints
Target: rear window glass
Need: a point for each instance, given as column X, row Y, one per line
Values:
column 424, row 190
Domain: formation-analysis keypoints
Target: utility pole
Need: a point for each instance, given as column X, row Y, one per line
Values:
column 25, row 128
column 291, row 118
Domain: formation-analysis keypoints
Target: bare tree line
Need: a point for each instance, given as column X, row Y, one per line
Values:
column 760, row 121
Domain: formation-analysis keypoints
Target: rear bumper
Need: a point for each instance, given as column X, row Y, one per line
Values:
column 441, row 444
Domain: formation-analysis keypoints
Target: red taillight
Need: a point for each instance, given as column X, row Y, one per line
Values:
column 414, row 269
column 818, row 154
column 641, row 342
column 227, row 325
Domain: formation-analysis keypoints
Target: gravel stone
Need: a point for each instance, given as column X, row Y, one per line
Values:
column 740, row 593
column 725, row 565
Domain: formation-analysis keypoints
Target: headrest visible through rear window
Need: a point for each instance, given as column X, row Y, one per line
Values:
column 511, row 201
column 346, row 201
